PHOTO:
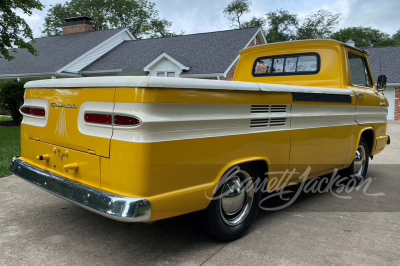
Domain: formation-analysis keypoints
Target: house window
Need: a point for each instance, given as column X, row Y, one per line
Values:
column 287, row 65
column 359, row 71
column 169, row 74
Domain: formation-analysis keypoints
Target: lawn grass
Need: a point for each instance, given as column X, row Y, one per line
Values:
column 10, row 146
column 5, row 119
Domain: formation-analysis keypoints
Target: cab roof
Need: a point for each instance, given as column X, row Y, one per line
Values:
column 316, row 41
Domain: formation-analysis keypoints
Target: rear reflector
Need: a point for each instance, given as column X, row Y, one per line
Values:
column 98, row 119
column 120, row 120
column 39, row 112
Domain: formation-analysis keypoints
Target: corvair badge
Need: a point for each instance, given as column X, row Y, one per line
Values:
column 68, row 106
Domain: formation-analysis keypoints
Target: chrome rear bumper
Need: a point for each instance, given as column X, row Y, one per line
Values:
column 111, row 206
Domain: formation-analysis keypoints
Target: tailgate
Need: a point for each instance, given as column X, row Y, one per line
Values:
column 64, row 122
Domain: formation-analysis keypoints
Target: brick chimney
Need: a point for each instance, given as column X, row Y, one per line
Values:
column 77, row 25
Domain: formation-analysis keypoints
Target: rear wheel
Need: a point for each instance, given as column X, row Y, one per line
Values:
column 235, row 205
column 358, row 169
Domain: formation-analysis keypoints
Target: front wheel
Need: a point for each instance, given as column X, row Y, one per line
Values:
column 359, row 167
column 234, row 206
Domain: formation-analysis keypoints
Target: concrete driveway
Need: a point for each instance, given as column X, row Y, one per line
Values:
column 37, row 228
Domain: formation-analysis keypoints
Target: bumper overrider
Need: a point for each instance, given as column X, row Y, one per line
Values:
column 111, row 206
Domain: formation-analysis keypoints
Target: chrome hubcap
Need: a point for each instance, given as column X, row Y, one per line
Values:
column 237, row 198
column 360, row 160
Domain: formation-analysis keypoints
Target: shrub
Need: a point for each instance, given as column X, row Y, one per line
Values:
column 11, row 99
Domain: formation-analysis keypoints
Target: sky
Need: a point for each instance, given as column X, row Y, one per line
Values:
column 195, row 16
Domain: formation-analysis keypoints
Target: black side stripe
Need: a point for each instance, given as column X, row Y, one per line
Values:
column 321, row 97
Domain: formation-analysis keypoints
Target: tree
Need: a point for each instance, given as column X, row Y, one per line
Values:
column 11, row 98
column 318, row 25
column 281, row 26
column 14, row 29
column 235, row 10
column 139, row 16
column 364, row 37
column 253, row 23
column 396, row 37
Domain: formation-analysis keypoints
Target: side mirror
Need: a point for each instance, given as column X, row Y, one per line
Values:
column 381, row 83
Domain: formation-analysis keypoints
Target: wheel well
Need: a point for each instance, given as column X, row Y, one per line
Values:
column 261, row 167
column 368, row 135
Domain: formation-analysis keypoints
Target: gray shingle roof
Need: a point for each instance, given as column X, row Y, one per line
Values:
column 54, row 52
column 385, row 61
column 205, row 53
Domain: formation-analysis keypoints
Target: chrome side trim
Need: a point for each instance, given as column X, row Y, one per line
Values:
column 108, row 205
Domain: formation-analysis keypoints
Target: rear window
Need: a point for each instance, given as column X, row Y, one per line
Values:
column 303, row 64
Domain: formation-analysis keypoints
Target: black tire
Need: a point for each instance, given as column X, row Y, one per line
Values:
column 215, row 221
column 354, row 171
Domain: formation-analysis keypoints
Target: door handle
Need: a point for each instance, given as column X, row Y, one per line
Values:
column 359, row 95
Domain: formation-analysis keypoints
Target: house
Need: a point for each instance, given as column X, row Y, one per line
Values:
column 82, row 52
column 386, row 61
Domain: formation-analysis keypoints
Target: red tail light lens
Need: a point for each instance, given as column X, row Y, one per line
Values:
column 39, row 112
column 98, row 119
column 120, row 120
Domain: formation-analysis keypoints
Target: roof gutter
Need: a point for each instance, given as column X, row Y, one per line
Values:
column 203, row 76
column 393, row 84
column 101, row 72
column 39, row 75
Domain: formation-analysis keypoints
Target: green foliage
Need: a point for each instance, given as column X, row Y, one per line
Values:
column 14, row 29
column 396, row 37
column 318, row 25
column 235, row 10
column 281, row 26
column 139, row 16
column 10, row 147
column 253, row 23
column 364, row 37
column 11, row 98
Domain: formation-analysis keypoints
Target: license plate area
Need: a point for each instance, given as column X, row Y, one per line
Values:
column 75, row 165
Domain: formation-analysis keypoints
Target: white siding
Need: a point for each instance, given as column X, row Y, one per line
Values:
column 165, row 65
column 390, row 95
column 98, row 51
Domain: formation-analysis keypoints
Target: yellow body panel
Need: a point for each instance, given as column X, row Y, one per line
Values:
column 72, row 137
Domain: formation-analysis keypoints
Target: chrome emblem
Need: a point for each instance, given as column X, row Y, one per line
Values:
column 68, row 106
column 61, row 129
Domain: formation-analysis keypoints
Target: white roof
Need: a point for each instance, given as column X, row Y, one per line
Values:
column 175, row 83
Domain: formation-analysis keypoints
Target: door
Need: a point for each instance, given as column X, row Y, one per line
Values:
column 372, row 106
column 321, row 127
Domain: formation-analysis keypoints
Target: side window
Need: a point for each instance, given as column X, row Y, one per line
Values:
column 359, row 71
column 287, row 65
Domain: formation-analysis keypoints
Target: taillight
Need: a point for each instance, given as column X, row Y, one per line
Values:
column 101, row 119
column 120, row 120
column 39, row 112
column 116, row 120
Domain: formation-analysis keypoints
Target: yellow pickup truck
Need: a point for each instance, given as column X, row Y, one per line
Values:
column 142, row 149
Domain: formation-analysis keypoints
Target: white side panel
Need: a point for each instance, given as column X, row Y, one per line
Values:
column 304, row 117
column 34, row 120
column 168, row 122
column 91, row 129
column 370, row 115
